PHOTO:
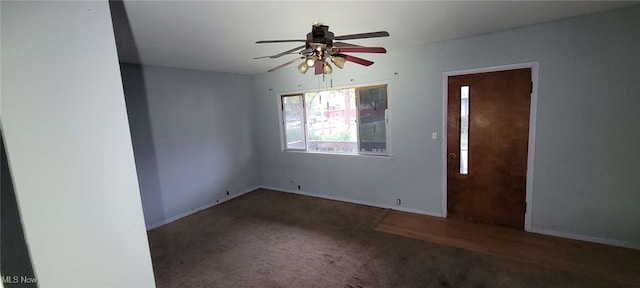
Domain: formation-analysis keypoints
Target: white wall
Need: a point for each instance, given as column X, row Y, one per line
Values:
column 586, row 161
column 192, row 138
column 69, row 148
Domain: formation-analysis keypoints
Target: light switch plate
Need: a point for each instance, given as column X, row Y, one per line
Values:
column 434, row 135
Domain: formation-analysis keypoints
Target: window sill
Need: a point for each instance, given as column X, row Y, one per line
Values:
column 379, row 156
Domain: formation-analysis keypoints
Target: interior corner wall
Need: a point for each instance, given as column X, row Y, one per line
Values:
column 585, row 184
column 192, row 135
column 68, row 144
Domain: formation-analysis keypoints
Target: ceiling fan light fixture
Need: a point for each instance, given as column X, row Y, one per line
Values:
column 311, row 61
column 338, row 61
column 302, row 68
column 326, row 68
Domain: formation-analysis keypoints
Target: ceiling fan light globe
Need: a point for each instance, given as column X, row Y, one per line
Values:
column 311, row 61
column 326, row 69
column 302, row 68
column 338, row 61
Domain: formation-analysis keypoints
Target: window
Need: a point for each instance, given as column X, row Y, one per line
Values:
column 350, row 120
column 293, row 112
column 372, row 112
column 464, row 130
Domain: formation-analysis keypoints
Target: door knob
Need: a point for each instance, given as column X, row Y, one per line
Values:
column 452, row 155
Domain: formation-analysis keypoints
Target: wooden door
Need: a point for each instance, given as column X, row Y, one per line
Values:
column 492, row 187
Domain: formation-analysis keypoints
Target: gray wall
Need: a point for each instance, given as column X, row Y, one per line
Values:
column 585, row 183
column 69, row 149
column 192, row 138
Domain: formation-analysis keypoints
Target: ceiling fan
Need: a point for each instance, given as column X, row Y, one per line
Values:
column 319, row 48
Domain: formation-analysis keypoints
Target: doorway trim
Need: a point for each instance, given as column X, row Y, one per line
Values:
column 532, row 130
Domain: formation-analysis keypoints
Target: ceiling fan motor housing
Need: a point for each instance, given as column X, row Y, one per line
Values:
column 320, row 34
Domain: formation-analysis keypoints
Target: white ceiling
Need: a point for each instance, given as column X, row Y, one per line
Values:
column 221, row 35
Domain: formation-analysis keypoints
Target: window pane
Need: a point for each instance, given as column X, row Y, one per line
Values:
column 464, row 130
column 293, row 116
column 373, row 124
column 332, row 121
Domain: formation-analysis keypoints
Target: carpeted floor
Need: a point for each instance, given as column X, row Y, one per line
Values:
column 276, row 239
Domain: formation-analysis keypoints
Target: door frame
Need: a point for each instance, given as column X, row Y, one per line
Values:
column 532, row 130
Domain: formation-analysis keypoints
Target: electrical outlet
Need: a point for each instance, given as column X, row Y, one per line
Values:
column 398, row 201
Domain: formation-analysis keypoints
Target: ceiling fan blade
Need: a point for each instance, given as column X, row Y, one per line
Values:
column 363, row 35
column 306, row 51
column 319, row 66
column 283, row 65
column 360, row 50
column 354, row 59
column 279, row 41
column 283, row 53
column 344, row 44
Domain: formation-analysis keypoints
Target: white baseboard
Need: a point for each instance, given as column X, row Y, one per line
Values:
column 384, row 206
column 612, row 242
column 198, row 209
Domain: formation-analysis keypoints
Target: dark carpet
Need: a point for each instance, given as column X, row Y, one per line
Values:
column 275, row 239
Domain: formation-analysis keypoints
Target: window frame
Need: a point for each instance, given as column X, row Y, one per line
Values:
column 357, row 88
column 386, row 118
column 283, row 128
